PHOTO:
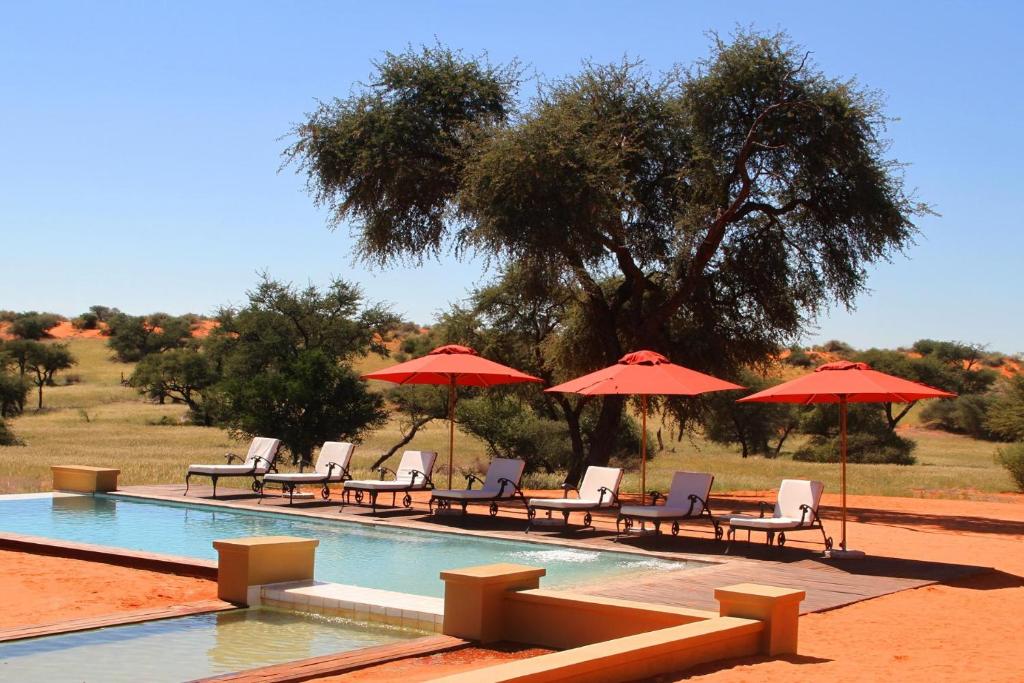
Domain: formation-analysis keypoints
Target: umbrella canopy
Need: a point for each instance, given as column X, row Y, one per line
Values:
column 644, row 373
column 846, row 382
column 452, row 365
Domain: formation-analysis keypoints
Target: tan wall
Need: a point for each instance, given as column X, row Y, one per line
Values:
column 257, row 560
column 564, row 620
column 84, row 479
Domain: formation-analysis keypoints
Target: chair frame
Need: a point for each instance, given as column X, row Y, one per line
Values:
column 627, row 521
column 428, row 485
column 326, row 480
column 531, row 510
column 256, row 486
column 445, row 503
column 778, row 536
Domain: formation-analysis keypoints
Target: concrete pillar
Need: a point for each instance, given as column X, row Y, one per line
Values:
column 256, row 560
column 84, row 479
column 473, row 598
column 778, row 608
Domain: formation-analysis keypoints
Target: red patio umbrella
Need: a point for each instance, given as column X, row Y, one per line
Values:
column 644, row 373
column 846, row 382
column 453, row 365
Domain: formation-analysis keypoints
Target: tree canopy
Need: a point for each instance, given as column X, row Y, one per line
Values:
column 708, row 213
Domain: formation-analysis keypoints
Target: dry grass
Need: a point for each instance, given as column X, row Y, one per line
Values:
column 99, row 422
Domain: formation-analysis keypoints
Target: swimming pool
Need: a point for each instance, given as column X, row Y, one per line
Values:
column 186, row 648
column 390, row 558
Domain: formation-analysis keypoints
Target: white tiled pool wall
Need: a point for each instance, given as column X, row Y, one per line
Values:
column 354, row 602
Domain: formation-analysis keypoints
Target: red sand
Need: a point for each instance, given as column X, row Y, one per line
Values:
column 443, row 664
column 41, row 590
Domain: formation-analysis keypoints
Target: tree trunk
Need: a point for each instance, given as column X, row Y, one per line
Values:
column 608, row 422
column 40, row 407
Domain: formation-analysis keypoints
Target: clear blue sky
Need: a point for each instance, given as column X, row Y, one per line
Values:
column 140, row 142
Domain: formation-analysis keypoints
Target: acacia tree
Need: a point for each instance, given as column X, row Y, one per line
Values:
column 182, row 375
column 285, row 365
column 708, row 213
column 46, row 360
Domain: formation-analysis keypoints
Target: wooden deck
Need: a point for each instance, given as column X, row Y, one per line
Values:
column 829, row 584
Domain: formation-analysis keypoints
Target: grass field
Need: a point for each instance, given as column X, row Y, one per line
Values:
column 99, row 422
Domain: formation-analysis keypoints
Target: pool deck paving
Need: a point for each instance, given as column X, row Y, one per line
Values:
column 829, row 583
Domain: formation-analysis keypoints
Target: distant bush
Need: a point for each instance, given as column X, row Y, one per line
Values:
column 1012, row 458
column 33, row 325
column 798, row 357
column 872, row 449
column 966, row 414
column 7, row 437
column 837, row 347
column 86, row 321
column 7, row 316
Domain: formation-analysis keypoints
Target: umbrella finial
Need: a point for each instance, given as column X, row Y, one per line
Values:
column 452, row 349
column 643, row 358
column 843, row 365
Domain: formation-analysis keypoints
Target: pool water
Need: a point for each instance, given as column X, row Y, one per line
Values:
column 186, row 648
column 389, row 558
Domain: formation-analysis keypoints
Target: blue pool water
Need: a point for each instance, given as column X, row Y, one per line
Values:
column 376, row 557
column 188, row 648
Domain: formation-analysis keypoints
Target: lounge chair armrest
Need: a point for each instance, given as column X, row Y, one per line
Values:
column 331, row 466
column 384, row 470
column 655, row 497
column 603, row 490
column 231, row 457
column 505, row 481
column 764, row 506
column 804, row 510
column 566, row 487
column 694, row 499
column 470, row 478
column 417, row 473
column 256, row 461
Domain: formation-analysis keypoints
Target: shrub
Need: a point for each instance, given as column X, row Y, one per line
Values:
column 32, row 325
column 798, row 357
column 1012, row 458
column 840, row 348
column 7, row 437
column 870, row 449
column 86, row 321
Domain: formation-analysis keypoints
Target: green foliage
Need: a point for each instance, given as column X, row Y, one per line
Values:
column 46, row 360
column 13, row 392
column 133, row 337
column 707, row 213
column 7, row 316
column 1006, row 412
column 840, row 348
column 966, row 414
column 86, row 321
column 7, row 437
column 1012, row 458
column 752, row 425
column 179, row 374
column 869, row 440
column 103, row 313
column 874, row 449
column 798, row 357
column 284, row 365
column 33, row 325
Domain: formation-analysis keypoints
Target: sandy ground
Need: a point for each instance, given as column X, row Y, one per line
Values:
column 970, row 630
column 444, row 664
column 42, row 590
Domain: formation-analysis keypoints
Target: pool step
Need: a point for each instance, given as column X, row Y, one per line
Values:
column 355, row 602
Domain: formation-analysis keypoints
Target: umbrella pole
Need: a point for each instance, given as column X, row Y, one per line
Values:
column 842, row 460
column 451, row 428
column 643, row 449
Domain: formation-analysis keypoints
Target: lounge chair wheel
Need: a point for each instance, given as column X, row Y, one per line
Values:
column 257, row 487
column 359, row 497
column 828, row 543
column 628, row 523
column 587, row 519
column 782, row 539
column 493, row 509
column 531, row 513
column 719, row 532
column 407, row 500
column 325, row 492
column 675, row 528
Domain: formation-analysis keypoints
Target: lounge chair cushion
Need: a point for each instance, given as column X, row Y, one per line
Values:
column 339, row 452
column 766, row 523
column 262, row 447
column 500, row 468
column 412, row 461
column 568, row 503
column 225, row 470
column 685, row 484
column 657, row 511
column 796, row 492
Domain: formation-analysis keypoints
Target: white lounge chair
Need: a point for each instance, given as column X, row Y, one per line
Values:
column 687, row 499
column 261, row 458
column 599, row 489
column 413, row 474
column 796, row 509
column 331, row 467
column 501, row 483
